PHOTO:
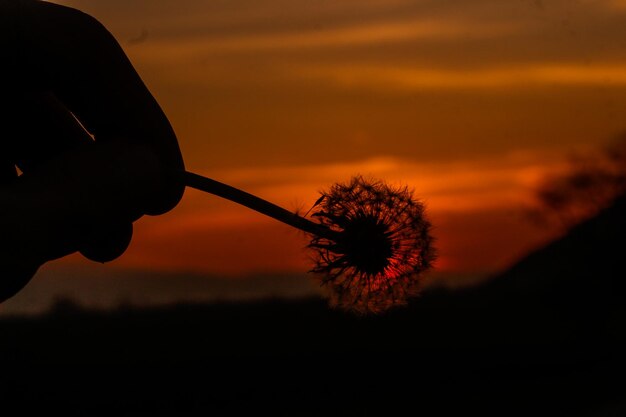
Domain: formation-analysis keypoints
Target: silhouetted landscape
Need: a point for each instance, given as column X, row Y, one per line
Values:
column 545, row 337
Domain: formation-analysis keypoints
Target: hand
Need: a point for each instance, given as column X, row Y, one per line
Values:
column 95, row 149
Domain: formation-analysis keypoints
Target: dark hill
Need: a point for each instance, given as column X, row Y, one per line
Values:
column 544, row 338
column 583, row 267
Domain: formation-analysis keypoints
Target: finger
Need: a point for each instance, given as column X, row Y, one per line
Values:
column 78, row 59
column 106, row 242
column 82, row 201
column 56, row 131
column 41, row 128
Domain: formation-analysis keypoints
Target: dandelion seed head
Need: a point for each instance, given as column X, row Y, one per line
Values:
column 379, row 249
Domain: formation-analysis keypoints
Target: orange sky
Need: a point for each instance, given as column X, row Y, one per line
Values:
column 470, row 103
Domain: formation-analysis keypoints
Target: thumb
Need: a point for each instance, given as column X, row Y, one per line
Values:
column 104, row 243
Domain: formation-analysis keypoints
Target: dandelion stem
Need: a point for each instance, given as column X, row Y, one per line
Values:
column 255, row 203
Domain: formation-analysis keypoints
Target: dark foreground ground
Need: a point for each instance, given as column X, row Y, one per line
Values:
column 444, row 355
column 545, row 338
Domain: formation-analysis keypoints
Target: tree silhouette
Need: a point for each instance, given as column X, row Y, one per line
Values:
column 593, row 182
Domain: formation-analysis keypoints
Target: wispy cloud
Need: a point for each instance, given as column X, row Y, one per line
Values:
column 331, row 37
column 459, row 186
column 408, row 78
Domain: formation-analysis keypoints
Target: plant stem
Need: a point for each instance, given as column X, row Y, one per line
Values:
column 255, row 203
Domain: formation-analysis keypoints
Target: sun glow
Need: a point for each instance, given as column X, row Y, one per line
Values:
column 209, row 234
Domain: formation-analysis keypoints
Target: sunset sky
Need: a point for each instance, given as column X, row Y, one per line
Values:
column 470, row 103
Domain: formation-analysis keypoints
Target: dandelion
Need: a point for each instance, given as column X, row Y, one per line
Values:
column 371, row 242
column 381, row 248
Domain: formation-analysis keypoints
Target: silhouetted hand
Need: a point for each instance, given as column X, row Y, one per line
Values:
column 79, row 191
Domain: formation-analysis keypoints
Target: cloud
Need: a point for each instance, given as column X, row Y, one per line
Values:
column 378, row 32
column 446, row 187
column 381, row 77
